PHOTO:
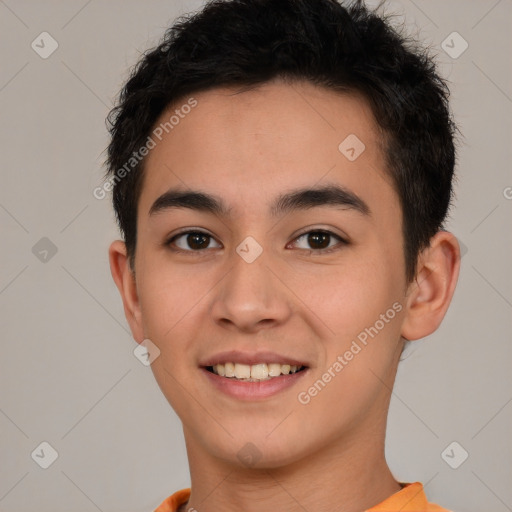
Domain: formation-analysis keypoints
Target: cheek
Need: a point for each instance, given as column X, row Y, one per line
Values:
column 172, row 300
column 169, row 295
column 361, row 305
column 348, row 297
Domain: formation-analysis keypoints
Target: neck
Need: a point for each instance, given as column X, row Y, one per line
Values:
column 350, row 475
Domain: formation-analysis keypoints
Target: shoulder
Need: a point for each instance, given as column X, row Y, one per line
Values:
column 411, row 498
column 173, row 502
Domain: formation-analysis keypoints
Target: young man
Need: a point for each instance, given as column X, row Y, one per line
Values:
column 281, row 171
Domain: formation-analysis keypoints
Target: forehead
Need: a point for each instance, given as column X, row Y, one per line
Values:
column 250, row 145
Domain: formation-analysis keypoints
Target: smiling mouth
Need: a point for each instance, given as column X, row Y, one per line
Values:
column 253, row 373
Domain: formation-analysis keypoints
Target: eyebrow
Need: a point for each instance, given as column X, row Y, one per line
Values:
column 300, row 199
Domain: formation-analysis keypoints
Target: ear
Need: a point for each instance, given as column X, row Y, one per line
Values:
column 431, row 291
column 125, row 282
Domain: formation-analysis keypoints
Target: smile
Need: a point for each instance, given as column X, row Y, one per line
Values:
column 255, row 372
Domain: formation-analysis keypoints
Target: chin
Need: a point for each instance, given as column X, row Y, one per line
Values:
column 257, row 450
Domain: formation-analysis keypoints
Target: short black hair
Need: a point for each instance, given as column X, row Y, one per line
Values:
column 346, row 48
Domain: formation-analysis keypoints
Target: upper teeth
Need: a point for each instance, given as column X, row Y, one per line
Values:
column 256, row 371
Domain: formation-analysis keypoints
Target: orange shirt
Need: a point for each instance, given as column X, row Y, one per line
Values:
column 410, row 499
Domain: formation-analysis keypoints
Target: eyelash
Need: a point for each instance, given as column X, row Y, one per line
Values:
column 328, row 250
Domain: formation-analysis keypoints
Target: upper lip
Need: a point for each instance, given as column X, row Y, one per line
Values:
column 250, row 358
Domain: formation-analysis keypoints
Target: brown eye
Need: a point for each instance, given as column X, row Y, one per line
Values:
column 191, row 241
column 319, row 241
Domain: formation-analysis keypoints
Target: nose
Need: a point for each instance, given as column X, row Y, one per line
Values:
column 250, row 297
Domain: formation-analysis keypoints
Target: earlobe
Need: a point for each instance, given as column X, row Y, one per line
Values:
column 125, row 282
column 431, row 292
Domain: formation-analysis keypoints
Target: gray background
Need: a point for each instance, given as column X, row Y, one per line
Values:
column 68, row 375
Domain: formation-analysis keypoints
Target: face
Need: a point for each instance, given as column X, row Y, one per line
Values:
column 263, row 273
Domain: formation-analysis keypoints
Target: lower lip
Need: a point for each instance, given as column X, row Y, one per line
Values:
column 253, row 390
